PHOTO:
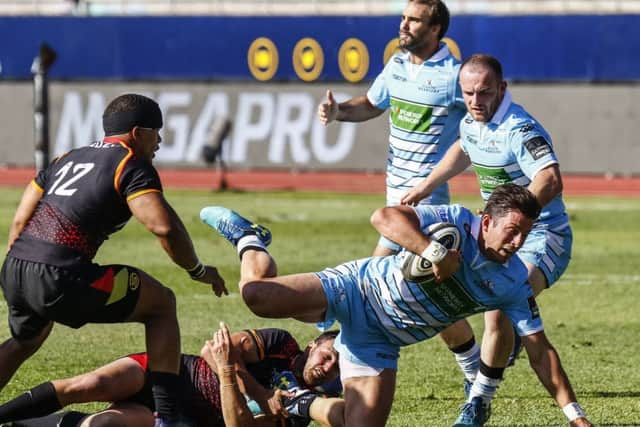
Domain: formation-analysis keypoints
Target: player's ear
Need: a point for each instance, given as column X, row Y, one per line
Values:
column 135, row 133
column 485, row 221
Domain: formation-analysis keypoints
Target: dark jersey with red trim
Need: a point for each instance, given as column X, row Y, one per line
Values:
column 84, row 200
column 199, row 386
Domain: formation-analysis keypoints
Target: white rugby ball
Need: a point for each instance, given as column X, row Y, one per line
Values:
column 418, row 269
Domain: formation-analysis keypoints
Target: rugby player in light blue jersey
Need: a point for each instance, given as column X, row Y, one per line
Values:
column 504, row 144
column 420, row 89
column 381, row 310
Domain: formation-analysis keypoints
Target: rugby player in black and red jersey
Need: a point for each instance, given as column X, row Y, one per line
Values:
column 264, row 364
column 64, row 216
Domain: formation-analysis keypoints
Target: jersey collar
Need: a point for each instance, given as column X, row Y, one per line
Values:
column 498, row 116
column 441, row 53
column 114, row 140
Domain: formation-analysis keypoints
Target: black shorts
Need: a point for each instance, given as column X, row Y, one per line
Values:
column 39, row 293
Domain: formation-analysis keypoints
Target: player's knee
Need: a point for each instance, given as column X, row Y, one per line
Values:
column 26, row 347
column 254, row 299
column 167, row 301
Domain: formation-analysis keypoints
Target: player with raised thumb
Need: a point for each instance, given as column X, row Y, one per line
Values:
column 328, row 110
column 358, row 109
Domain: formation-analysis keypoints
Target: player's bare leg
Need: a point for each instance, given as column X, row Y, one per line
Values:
column 109, row 383
column 13, row 353
column 156, row 309
column 368, row 400
column 120, row 415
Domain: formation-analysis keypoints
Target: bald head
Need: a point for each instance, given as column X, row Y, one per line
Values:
column 482, row 86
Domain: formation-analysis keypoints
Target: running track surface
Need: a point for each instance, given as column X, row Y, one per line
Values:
column 348, row 182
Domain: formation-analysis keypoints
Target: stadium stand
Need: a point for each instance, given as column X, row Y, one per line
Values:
column 307, row 7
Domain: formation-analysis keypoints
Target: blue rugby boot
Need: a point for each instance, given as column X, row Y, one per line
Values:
column 473, row 414
column 232, row 226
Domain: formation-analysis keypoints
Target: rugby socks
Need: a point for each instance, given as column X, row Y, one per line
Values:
column 37, row 402
column 250, row 242
column 468, row 358
column 486, row 384
column 165, row 394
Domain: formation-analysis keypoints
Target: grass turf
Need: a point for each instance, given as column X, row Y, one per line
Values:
column 590, row 314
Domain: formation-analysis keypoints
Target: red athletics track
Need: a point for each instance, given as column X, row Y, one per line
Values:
column 351, row 182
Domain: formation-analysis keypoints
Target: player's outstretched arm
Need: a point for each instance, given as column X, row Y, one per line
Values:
column 546, row 363
column 155, row 213
column 454, row 162
column 357, row 109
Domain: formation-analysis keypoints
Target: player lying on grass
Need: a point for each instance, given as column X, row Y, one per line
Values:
column 265, row 364
column 381, row 308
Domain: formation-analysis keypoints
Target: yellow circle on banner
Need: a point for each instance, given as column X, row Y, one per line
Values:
column 262, row 59
column 392, row 47
column 453, row 48
column 308, row 59
column 353, row 60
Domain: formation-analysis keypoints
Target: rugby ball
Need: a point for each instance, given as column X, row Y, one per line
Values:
column 417, row 269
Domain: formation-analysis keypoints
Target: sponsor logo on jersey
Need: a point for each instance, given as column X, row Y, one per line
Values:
column 526, row 128
column 428, row 88
column 487, row 285
column 489, row 147
column 468, row 120
column 399, row 77
column 442, row 213
column 134, row 281
column 538, row 147
column 409, row 116
column 471, row 139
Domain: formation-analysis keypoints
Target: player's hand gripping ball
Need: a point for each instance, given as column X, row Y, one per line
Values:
column 418, row 269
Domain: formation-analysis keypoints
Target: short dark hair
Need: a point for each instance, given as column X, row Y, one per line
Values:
column 511, row 197
column 129, row 102
column 326, row 336
column 439, row 14
column 488, row 61
column 130, row 110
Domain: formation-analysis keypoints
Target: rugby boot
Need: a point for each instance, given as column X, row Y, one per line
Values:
column 473, row 414
column 232, row 226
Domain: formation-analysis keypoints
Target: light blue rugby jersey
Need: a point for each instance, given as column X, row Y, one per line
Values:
column 408, row 312
column 512, row 147
column 426, row 106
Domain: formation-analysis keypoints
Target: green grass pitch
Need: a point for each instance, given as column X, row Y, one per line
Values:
column 590, row 315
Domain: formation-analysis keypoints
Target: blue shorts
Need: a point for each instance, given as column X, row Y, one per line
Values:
column 548, row 247
column 360, row 340
column 439, row 197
